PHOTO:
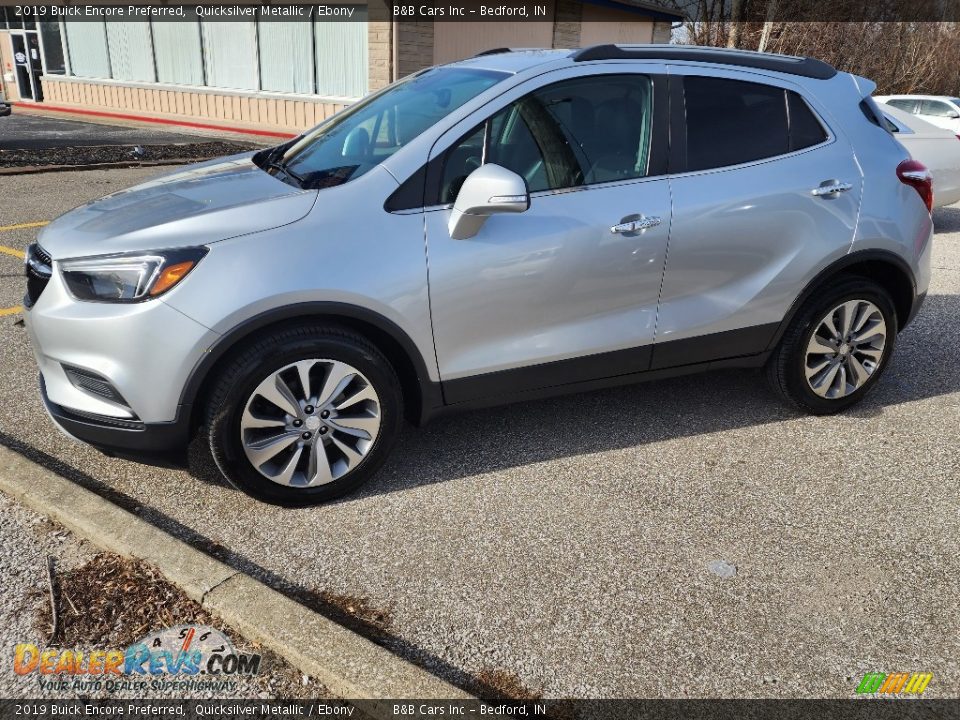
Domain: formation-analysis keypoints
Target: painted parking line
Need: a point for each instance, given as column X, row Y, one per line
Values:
column 11, row 251
column 17, row 309
column 24, row 226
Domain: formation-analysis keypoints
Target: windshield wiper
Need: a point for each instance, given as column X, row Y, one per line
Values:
column 282, row 167
column 270, row 161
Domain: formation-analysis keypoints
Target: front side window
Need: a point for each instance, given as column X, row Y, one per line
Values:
column 572, row 133
column 903, row 104
column 730, row 122
column 361, row 137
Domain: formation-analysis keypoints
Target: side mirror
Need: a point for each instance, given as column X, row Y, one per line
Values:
column 954, row 115
column 487, row 190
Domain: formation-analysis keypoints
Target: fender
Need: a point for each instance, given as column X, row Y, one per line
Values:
column 428, row 397
column 838, row 266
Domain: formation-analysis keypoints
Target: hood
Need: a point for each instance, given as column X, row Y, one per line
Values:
column 199, row 205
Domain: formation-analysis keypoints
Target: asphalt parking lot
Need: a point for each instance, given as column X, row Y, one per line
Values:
column 21, row 131
column 567, row 542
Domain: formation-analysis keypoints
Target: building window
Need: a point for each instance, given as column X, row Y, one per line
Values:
column 131, row 51
column 341, row 49
column 286, row 57
column 327, row 58
column 178, row 52
column 230, row 53
column 87, row 44
column 52, row 47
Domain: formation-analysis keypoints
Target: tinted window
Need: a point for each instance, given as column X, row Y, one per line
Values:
column 730, row 122
column 576, row 132
column 363, row 136
column 805, row 129
column 903, row 104
column 936, row 108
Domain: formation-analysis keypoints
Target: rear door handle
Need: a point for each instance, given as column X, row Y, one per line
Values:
column 635, row 224
column 831, row 187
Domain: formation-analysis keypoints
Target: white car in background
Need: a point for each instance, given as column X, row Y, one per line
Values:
column 935, row 147
column 940, row 110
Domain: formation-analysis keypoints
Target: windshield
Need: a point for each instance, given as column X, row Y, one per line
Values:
column 358, row 139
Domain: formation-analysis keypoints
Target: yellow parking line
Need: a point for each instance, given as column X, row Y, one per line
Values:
column 24, row 226
column 10, row 311
column 11, row 251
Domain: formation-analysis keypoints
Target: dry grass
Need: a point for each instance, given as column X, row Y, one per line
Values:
column 111, row 602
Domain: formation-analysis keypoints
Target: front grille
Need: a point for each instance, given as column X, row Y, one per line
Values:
column 38, row 268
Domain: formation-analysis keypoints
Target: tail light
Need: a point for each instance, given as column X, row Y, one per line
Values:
column 916, row 175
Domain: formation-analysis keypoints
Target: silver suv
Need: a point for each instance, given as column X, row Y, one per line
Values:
column 519, row 224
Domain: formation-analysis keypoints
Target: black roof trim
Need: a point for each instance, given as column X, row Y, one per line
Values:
column 806, row 66
column 493, row 51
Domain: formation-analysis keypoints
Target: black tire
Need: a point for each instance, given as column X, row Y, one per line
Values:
column 785, row 368
column 269, row 353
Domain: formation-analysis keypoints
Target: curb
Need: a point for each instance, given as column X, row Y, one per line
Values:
column 349, row 665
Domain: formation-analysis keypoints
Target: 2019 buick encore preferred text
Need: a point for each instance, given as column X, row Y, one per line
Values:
column 507, row 227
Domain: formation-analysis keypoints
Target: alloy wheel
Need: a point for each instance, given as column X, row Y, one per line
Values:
column 845, row 349
column 310, row 422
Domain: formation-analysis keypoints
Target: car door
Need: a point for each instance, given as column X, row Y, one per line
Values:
column 940, row 113
column 567, row 290
column 765, row 194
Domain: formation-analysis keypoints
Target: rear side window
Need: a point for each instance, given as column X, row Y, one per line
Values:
column 730, row 122
column 937, row 108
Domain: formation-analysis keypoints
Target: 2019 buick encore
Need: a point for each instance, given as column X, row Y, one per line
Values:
column 511, row 226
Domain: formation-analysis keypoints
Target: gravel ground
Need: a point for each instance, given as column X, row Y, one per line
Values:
column 568, row 543
column 26, row 539
column 128, row 154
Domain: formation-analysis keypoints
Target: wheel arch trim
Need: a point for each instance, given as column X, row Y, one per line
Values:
column 429, row 396
column 840, row 265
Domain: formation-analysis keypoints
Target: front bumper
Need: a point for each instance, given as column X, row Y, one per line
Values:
column 163, row 444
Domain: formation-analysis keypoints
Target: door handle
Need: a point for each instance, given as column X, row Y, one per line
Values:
column 831, row 187
column 636, row 224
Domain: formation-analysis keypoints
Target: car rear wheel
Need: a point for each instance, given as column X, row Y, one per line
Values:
column 837, row 347
column 304, row 415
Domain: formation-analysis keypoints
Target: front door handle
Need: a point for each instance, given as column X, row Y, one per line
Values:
column 831, row 188
column 634, row 224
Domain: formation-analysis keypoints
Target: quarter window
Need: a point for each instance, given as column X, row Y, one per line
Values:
column 805, row 129
column 730, row 122
column 576, row 132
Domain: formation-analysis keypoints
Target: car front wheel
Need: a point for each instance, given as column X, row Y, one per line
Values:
column 304, row 415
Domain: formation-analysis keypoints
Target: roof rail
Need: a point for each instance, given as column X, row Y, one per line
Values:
column 804, row 66
column 493, row 51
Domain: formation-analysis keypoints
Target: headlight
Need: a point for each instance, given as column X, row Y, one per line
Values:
column 128, row 278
